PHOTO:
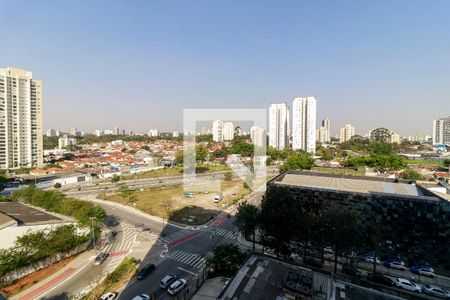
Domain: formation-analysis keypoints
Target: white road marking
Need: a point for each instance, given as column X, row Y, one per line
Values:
column 187, row 271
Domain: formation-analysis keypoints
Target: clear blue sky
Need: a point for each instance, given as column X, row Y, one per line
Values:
column 137, row 64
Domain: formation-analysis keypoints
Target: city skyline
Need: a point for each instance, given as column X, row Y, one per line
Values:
column 371, row 67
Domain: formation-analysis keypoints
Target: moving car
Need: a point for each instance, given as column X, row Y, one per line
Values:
column 423, row 269
column 108, row 296
column 380, row 279
column 101, row 257
column 141, row 297
column 407, row 285
column 177, row 286
column 145, row 271
column 436, row 291
column 395, row 264
column 167, row 281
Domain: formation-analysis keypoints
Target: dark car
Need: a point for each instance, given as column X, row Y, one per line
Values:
column 313, row 262
column 145, row 271
column 351, row 271
column 380, row 279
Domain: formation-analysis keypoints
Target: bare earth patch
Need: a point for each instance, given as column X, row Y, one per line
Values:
column 35, row 277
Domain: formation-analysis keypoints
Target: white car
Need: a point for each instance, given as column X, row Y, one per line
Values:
column 370, row 259
column 141, row 297
column 108, row 296
column 395, row 264
column 177, row 286
column 407, row 285
column 436, row 291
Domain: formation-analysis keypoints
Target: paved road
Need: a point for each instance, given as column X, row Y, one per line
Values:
column 185, row 258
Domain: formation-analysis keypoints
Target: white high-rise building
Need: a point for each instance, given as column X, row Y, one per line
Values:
column 279, row 129
column 258, row 136
column 116, row 130
column 228, row 131
column 20, row 119
column 217, row 131
column 66, row 141
column 326, row 123
column 441, row 131
column 322, row 135
column 395, row 138
column 153, row 132
column 99, row 132
column 346, row 133
column 304, row 124
column 51, row 133
column 175, row 134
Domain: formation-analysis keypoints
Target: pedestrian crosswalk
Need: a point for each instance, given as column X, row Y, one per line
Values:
column 127, row 242
column 190, row 259
column 175, row 236
column 222, row 232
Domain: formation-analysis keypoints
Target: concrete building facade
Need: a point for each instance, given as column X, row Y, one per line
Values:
column 304, row 124
column 346, row 133
column 441, row 131
column 20, row 119
column 279, row 125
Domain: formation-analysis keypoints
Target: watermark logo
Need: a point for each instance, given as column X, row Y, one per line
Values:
column 253, row 172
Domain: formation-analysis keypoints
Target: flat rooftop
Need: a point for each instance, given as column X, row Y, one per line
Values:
column 357, row 185
column 27, row 215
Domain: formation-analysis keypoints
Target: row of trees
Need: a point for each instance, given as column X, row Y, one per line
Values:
column 283, row 221
column 55, row 201
column 34, row 248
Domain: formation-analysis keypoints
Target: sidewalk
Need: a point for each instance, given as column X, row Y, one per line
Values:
column 56, row 278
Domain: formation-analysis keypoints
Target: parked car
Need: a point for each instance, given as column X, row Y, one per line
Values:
column 328, row 250
column 167, row 281
column 436, row 291
column 351, row 271
column 141, row 297
column 218, row 197
column 395, row 264
column 380, row 279
column 101, row 257
column 407, row 285
column 108, row 296
column 313, row 262
column 145, row 271
column 177, row 286
column 423, row 269
column 189, row 195
column 370, row 259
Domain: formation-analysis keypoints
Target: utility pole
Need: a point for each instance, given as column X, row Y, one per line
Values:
column 92, row 228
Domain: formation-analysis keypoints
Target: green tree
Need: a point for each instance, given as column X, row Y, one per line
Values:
column 341, row 230
column 278, row 215
column 247, row 220
column 381, row 134
column 57, row 185
column 201, row 153
column 228, row 176
column 179, row 156
column 298, row 161
column 226, row 260
column 115, row 178
column 446, row 162
column 410, row 174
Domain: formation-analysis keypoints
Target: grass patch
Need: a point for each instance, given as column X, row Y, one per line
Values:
column 197, row 215
column 424, row 162
column 115, row 280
